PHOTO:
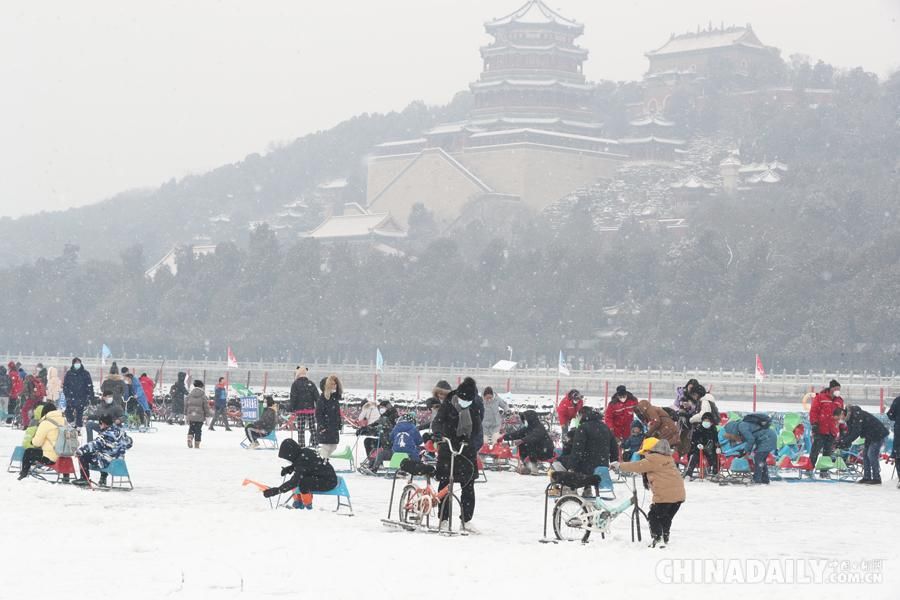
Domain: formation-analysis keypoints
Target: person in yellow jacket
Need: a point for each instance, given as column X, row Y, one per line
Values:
column 43, row 442
column 665, row 482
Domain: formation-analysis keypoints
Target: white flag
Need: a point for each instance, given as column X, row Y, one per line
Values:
column 563, row 367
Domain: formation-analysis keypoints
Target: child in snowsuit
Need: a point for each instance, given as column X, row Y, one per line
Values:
column 108, row 446
column 665, row 482
column 309, row 473
column 196, row 411
column 633, row 443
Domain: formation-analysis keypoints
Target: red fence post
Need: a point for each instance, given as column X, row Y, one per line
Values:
column 606, row 394
column 508, row 384
column 265, row 382
column 650, row 392
column 418, row 387
column 882, row 401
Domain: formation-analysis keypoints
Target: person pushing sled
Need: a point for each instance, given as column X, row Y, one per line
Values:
column 309, row 473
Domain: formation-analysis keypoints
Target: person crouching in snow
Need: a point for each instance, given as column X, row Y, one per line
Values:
column 309, row 473
column 196, row 411
column 109, row 445
column 535, row 444
column 753, row 430
column 264, row 426
column 665, row 482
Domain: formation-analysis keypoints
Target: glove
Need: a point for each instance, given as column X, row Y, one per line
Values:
column 287, row 470
column 815, row 428
column 718, row 451
column 273, row 491
column 614, row 464
column 78, row 452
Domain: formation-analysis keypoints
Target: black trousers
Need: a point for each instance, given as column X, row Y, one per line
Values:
column 660, row 517
column 195, row 429
column 254, row 434
column 710, row 460
column 32, row 456
column 821, row 443
column 464, row 474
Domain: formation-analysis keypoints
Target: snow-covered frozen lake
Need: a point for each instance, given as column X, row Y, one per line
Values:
column 189, row 530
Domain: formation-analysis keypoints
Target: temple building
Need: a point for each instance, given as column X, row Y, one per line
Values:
column 692, row 57
column 529, row 139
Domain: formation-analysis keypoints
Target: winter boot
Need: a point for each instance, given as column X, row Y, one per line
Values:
column 875, row 481
column 197, row 444
column 655, row 542
column 190, row 441
column 865, row 480
column 666, row 538
column 103, row 479
column 307, row 500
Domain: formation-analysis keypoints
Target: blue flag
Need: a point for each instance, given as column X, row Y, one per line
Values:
column 379, row 360
column 105, row 353
column 563, row 367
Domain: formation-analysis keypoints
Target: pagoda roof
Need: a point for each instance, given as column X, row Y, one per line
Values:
column 693, row 182
column 708, row 39
column 534, row 12
column 651, row 120
column 504, row 48
column 774, row 166
column 536, row 121
column 543, row 132
column 535, row 83
column 768, row 176
column 652, row 138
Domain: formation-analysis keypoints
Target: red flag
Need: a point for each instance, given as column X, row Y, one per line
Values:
column 232, row 361
column 760, row 372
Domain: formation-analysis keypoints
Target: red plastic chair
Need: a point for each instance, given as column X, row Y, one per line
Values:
column 64, row 465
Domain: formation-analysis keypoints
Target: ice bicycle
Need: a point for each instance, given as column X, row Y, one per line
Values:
column 420, row 508
column 576, row 517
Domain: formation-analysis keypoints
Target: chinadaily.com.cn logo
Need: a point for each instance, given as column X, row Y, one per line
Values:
column 785, row 570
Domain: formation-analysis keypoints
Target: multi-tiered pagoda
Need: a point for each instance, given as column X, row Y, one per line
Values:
column 530, row 138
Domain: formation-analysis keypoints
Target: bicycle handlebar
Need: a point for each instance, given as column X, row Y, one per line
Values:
column 450, row 446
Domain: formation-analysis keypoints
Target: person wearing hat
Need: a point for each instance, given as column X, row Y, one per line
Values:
column 620, row 413
column 494, row 406
column 304, row 395
column 659, row 423
column 821, row 418
column 309, row 473
column 459, row 421
column 196, row 411
column 405, row 437
column 78, row 388
column 664, row 481
column 568, row 409
column 112, row 443
column 108, row 406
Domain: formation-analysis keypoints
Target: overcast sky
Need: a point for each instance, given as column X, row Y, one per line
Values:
column 101, row 96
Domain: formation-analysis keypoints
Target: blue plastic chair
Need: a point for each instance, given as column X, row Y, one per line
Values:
column 341, row 492
column 267, row 442
column 119, row 478
column 15, row 461
column 605, row 487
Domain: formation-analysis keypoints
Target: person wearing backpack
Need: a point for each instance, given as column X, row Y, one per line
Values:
column 760, row 440
column 109, row 445
column 43, row 442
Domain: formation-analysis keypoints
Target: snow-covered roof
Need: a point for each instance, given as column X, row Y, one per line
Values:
column 708, row 39
column 333, row 184
column 692, row 182
column 651, row 120
column 452, row 161
column 169, row 260
column 220, row 219
column 760, row 167
column 768, row 176
column 505, row 48
column 357, row 225
column 534, row 12
column 300, row 203
column 542, row 132
column 538, row 83
column 650, row 139
column 402, row 143
column 536, row 121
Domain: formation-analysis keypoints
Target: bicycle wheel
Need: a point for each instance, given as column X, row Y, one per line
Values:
column 570, row 519
column 406, row 508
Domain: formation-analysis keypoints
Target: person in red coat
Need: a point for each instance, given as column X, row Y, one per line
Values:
column 620, row 413
column 147, row 385
column 568, row 409
column 825, row 428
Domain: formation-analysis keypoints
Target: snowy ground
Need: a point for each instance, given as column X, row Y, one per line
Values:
column 190, row 530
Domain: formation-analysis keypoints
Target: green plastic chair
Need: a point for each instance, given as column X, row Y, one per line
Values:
column 839, row 464
column 786, row 438
column 825, row 463
column 791, row 420
column 345, row 454
column 396, row 459
column 734, row 416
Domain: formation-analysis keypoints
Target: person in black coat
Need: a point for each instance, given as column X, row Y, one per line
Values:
column 591, row 444
column 867, row 426
column 535, row 444
column 177, row 393
column 707, row 436
column 328, row 416
column 309, row 473
column 304, row 395
column 78, row 388
column 379, row 446
column 458, row 421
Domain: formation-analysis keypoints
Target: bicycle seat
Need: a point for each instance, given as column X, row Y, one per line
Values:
column 416, row 468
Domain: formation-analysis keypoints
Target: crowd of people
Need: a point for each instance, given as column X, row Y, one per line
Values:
column 629, row 435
